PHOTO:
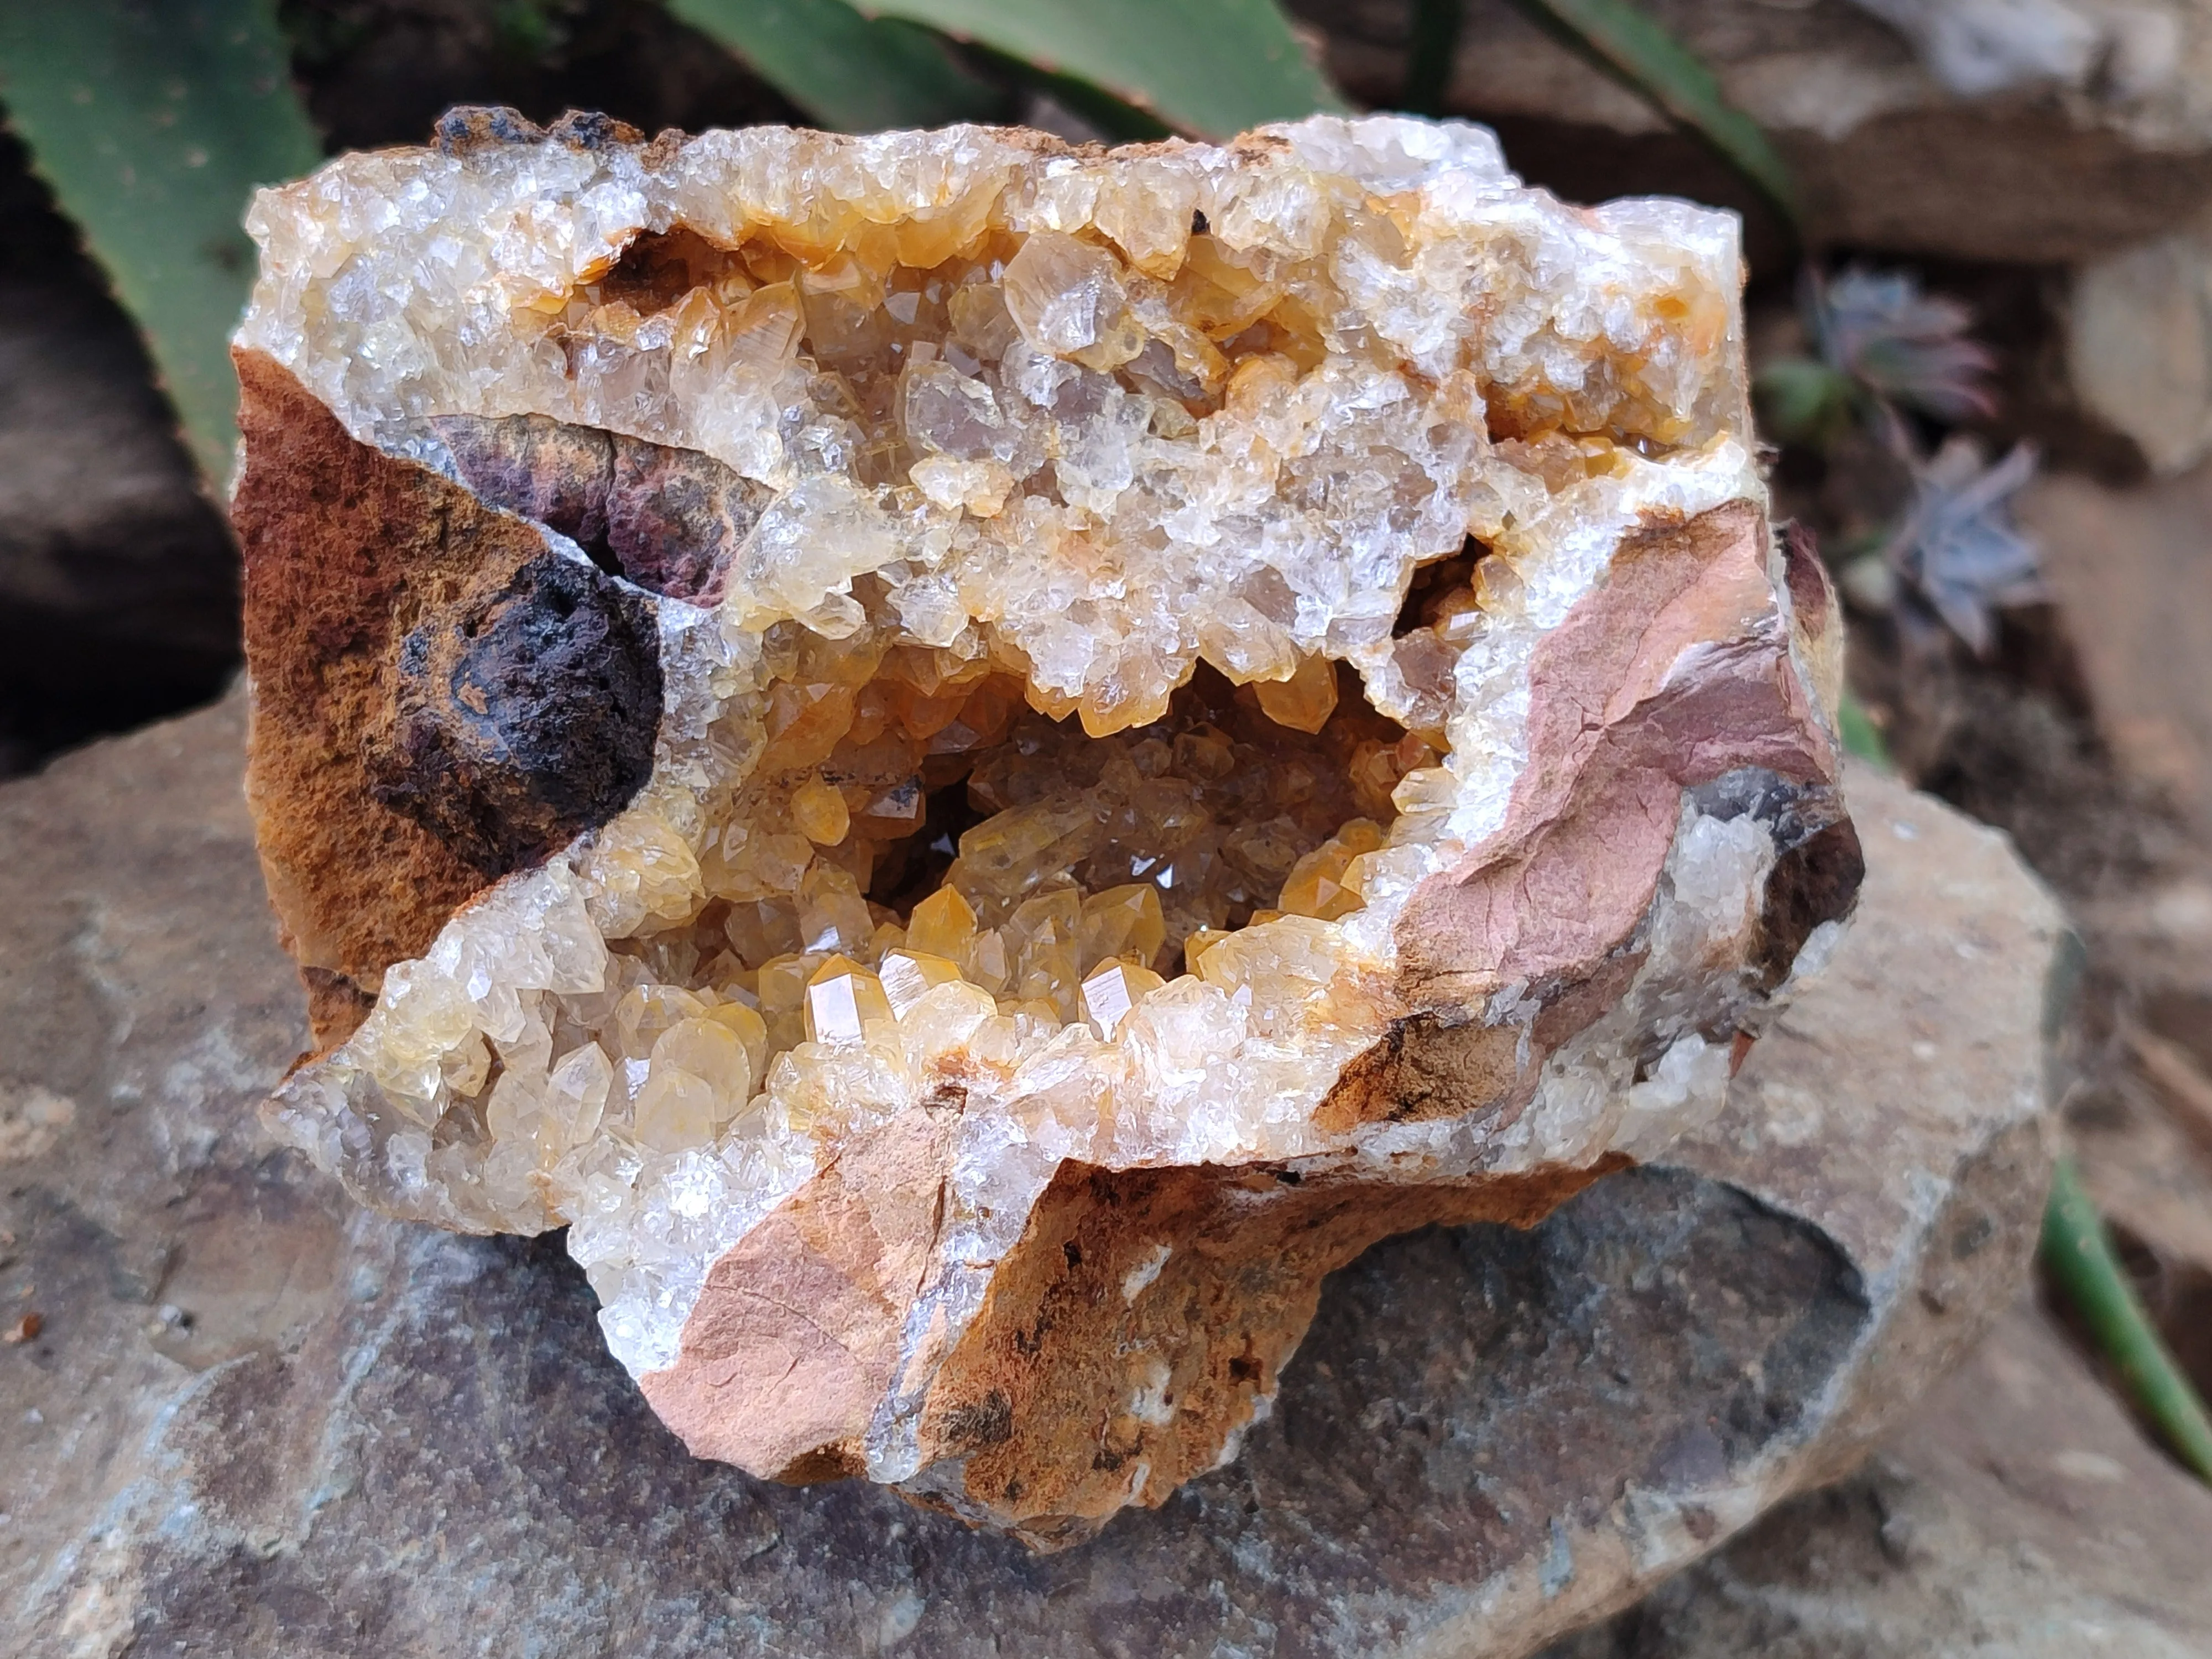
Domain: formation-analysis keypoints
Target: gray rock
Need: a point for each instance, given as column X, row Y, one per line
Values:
column 101, row 524
column 254, row 1422
column 2139, row 346
column 119, row 583
column 2018, row 1512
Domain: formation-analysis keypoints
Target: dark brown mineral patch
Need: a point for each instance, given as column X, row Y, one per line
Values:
column 437, row 698
column 1819, row 865
column 524, row 716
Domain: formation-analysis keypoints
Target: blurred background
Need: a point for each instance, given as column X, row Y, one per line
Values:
column 1979, row 242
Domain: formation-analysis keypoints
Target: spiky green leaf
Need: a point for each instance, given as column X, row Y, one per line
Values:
column 852, row 73
column 1638, row 49
column 153, row 122
column 1209, row 67
column 1431, row 43
column 2086, row 1269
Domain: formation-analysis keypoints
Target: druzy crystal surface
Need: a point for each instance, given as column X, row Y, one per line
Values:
column 976, row 760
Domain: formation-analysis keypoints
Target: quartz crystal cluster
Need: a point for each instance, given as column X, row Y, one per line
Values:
column 976, row 759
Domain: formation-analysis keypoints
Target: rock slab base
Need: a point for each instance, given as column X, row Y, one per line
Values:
column 254, row 1421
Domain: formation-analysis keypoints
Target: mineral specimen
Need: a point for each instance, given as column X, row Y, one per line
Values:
column 976, row 761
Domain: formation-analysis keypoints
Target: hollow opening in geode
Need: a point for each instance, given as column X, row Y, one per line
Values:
column 920, row 806
column 906, row 824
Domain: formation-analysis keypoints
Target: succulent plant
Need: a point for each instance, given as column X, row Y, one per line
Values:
column 1899, row 344
column 1957, row 547
column 1887, row 348
column 1884, row 347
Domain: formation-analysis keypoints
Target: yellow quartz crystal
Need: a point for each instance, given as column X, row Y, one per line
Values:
column 819, row 810
column 942, row 924
column 711, row 1051
column 1110, row 994
column 675, row 1109
column 1306, row 700
column 1319, row 885
column 842, row 999
column 1123, row 922
column 909, row 975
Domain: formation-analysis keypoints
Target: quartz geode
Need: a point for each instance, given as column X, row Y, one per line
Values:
column 976, row 761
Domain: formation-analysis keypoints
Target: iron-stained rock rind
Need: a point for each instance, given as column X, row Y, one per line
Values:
column 1164, row 1381
column 342, row 542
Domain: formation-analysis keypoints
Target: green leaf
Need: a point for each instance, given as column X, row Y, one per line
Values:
column 2079, row 1255
column 153, row 123
column 1209, row 67
column 1115, row 119
column 854, row 73
column 1861, row 735
column 1636, row 49
column 1430, row 45
column 1805, row 402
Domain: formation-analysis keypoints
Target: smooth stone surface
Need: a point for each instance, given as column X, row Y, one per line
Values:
column 255, row 1422
column 2019, row 1512
column 2139, row 346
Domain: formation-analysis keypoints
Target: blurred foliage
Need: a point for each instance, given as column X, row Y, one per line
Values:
column 854, row 73
column 1861, row 735
column 1885, row 347
column 1211, row 69
column 2078, row 1254
column 1904, row 347
column 152, row 122
column 1957, row 545
column 1627, row 43
column 1804, row 401
column 1891, row 356
column 1430, row 45
column 1634, row 47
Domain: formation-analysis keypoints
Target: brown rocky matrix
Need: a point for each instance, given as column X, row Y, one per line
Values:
column 977, row 761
